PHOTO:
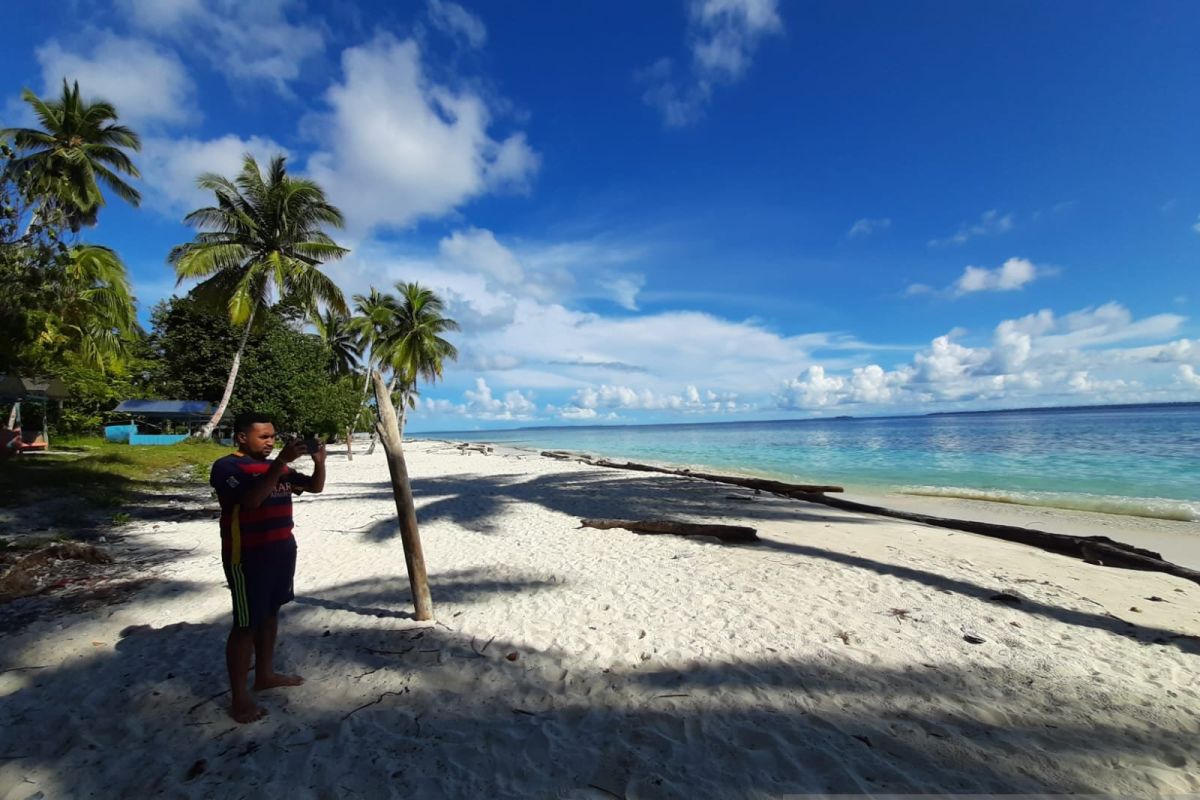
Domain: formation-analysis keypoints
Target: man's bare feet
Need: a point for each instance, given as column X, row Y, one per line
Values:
column 275, row 680
column 246, row 711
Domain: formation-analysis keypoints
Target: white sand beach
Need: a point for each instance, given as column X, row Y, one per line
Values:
column 829, row 657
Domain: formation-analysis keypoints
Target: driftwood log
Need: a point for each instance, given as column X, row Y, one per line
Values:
column 726, row 533
column 1093, row 549
column 465, row 448
column 758, row 484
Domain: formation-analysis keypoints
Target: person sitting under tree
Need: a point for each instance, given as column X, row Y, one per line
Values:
column 258, row 550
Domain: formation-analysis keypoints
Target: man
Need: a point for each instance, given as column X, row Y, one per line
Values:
column 258, row 550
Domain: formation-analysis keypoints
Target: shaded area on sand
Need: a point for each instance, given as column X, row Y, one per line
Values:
column 537, row 728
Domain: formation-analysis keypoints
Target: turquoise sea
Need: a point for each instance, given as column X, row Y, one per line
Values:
column 1135, row 460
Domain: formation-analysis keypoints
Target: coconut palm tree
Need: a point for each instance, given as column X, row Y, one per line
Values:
column 261, row 241
column 79, row 146
column 377, row 312
column 343, row 341
column 413, row 345
column 88, row 307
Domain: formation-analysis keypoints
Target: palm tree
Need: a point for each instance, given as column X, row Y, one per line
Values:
column 79, row 146
column 88, row 307
column 262, row 239
column 413, row 345
column 377, row 313
column 339, row 335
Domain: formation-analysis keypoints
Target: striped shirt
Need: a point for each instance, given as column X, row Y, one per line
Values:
column 253, row 529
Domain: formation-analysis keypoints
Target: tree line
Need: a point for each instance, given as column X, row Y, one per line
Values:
column 262, row 326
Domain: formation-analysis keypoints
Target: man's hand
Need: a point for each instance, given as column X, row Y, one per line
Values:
column 291, row 451
column 319, row 456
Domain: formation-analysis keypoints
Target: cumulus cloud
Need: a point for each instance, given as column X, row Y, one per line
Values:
column 1186, row 375
column 1196, row 227
column 723, row 36
column 513, row 405
column 147, row 84
column 1013, row 274
column 458, row 23
column 991, row 223
column 1031, row 359
column 866, row 227
column 244, row 41
column 170, row 167
column 397, row 146
column 620, row 397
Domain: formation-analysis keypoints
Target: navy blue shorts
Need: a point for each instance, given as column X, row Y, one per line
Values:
column 261, row 582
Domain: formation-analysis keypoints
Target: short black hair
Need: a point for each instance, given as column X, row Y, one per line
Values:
column 243, row 422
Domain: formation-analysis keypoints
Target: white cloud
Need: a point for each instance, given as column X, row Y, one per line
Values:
column 587, row 402
column 723, row 36
column 1033, row 359
column 170, row 167
column 867, row 227
column 457, row 22
column 1186, row 374
column 514, row 404
column 624, row 289
column 1013, row 274
column 146, row 84
column 991, row 223
column 397, row 147
column 1196, row 227
column 242, row 40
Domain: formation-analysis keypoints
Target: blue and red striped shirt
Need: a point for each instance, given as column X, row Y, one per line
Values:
column 253, row 528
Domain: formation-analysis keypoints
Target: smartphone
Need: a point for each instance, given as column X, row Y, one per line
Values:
column 312, row 445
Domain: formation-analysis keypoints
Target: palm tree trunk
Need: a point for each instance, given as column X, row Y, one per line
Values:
column 406, row 510
column 402, row 416
column 207, row 430
column 374, row 434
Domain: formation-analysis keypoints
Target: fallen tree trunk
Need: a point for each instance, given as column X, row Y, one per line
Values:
column 727, row 533
column 1093, row 549
column 465, row 448
column 758, row 484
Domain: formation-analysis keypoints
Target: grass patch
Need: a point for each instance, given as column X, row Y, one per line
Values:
column 102, row 474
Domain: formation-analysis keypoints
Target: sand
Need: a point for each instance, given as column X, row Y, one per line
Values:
column 831, row 656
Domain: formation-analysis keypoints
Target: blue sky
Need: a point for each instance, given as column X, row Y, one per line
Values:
column 699, row 210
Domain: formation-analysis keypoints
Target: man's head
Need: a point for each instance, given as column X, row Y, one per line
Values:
column 254, row 434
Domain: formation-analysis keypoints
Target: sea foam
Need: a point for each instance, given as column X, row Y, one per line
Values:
column 1152, row 507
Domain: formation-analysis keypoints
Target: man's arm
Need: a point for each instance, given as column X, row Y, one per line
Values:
column 317, row 482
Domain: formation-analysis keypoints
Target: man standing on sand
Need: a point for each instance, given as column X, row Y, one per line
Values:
column 258, row 550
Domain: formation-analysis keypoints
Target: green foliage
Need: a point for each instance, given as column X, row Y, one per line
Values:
column 59, row 297
column 79, row 145
column 263, row 236
column 285, row 372
column 405, row 335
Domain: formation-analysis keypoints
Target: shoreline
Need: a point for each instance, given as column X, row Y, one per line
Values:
column 1177, row 541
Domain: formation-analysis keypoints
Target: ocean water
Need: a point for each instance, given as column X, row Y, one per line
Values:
column 1136, row 460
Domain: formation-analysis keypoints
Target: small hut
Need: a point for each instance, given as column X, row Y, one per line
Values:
column 19, row 390
column 154, row 414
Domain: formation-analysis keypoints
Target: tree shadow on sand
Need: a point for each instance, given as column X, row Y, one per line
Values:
column 478, row 502
column 430, row 710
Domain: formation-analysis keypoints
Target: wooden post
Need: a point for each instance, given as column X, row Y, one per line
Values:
column 406, row 510
column 350, row 443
